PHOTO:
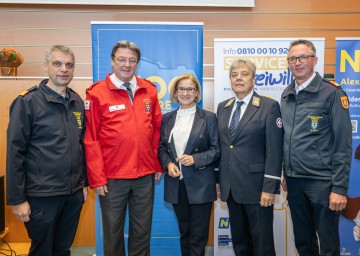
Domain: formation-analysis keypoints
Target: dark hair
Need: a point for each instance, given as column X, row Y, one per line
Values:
column 126, row 45
column 305, row 42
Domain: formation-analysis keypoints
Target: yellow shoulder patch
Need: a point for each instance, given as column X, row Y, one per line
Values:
column 229, row 102
column 24, row 93
column 334, row 83
column 27, row 91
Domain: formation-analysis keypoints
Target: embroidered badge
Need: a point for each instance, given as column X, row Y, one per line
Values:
column 344, row 102
column 87, row 104
column 147, row 104
column 78, row 119
column 314, row 123
column 279, row 122
column 256, row 101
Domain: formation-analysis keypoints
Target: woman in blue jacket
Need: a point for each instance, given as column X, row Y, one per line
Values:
column 188, row 152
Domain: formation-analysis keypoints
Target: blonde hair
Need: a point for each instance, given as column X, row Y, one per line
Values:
column 174, row 85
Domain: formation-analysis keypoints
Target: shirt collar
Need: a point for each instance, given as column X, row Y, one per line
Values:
column 247, row 98
column 119, row 84
column 301, row 87
column 56, row 95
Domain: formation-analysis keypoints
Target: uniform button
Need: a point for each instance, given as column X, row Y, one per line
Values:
column 231, row 146
column 196, row 150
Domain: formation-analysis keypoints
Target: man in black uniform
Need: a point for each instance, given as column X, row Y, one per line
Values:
column 317, row 152
column 45, row 166
column 251, row 138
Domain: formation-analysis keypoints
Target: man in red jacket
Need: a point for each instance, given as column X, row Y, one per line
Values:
column 121, row 141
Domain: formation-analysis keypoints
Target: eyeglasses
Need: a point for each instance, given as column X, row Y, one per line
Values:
column 302, row 59
column 188, row 90
column 124, row 60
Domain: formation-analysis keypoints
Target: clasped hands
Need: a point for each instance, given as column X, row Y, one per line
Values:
column 185, row 160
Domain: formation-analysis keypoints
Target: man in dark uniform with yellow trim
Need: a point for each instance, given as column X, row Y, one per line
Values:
column 45, row 164
column 251, row 137
column 317, row 152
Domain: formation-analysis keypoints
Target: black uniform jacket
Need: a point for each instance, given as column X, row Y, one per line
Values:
column 45, row 155
column 251, row 162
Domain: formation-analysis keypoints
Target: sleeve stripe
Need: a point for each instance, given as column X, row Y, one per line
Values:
column 272, row 177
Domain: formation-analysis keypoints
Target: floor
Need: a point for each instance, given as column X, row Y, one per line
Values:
column 22, row 249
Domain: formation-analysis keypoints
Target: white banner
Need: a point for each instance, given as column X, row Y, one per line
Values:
column 272, row 76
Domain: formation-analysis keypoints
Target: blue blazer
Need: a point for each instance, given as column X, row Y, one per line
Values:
column 204, row 146
column 252, row 161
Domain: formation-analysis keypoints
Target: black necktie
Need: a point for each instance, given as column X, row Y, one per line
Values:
column 129, row 91
column 235, row 119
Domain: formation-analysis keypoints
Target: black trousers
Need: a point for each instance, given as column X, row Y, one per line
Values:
column 313, row 221
column 139, row 195
column 193, row 220
column 251, row 228
column 53, row 223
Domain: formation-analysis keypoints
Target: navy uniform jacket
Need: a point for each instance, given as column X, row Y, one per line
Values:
column 45, row 152
column 318, row 133
column 204, row 146
column 251, row 163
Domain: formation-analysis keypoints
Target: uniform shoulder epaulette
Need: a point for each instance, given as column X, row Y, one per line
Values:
column 28, row 90
column 149, row 82
column 333, row 83
column 92, row 86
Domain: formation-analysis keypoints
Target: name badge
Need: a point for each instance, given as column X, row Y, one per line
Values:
column 116, row 108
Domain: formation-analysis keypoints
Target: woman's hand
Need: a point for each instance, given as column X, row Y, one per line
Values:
column 173, row 170
column 186, row 160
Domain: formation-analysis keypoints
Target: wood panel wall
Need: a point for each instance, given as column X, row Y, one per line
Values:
column 31, row 29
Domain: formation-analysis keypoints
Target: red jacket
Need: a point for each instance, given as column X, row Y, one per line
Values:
column 121, row 139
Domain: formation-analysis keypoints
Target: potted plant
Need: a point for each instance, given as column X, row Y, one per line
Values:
column 10, row 60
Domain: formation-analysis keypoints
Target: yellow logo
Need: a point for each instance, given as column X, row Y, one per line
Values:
column 314, row 123
column 78, row 119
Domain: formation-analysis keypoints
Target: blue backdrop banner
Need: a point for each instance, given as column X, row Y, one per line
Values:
column 167, row 50
column 348, row 76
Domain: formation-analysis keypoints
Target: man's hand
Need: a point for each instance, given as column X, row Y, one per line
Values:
column 337, row 202
column 85, row 193
column 101, row 191
column 22, row 211
column 173, row 170
column 218, row 192
column 284, row 185
column 267, row 199
column 158, row 176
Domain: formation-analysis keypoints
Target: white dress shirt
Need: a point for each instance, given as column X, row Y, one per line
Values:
column 181, row 130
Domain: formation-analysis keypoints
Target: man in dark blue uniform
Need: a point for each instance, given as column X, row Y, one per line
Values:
column 317, row 152
column 251, row 137
column 45, row 164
